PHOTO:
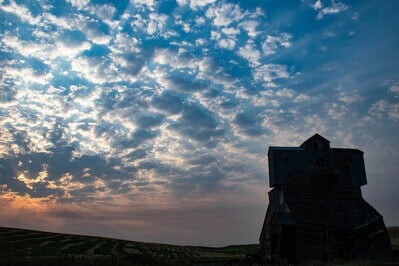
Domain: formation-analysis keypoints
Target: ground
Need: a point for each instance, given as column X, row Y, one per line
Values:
column 19, row 246
column 29, row 247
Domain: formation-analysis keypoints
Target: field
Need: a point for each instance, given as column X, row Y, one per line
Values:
column 29, row 247
column 22, row 247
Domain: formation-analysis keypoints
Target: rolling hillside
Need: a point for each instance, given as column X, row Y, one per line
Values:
column 21, row 246
column 29, row 247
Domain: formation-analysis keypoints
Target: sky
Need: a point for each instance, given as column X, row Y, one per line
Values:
column 150, row 120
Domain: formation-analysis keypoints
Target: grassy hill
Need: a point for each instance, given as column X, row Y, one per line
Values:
column 29, row 247
column 22, row 247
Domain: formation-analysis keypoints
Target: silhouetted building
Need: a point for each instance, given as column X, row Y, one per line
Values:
column 316, row 210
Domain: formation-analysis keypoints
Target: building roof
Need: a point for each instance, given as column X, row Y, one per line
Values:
column 315, row 137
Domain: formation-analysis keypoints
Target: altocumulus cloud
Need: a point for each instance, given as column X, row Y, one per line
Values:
column 119, row 117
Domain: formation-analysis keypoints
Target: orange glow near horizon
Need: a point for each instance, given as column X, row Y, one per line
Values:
column 18, row 202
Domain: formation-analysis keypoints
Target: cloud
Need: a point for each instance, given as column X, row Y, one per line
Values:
column 302, row 98
column 105, row 12
column 183, row 84
column 270, row 72
column 168, row 102
column 317, row 5
column 228, row 44
column 195, row 4
column 271, row 43
column 250, row 53
column 153, row 24
column 78, row 3
column 7, row 94
column 22, row 12
column 249, row 123
column 383, row 107
column 349, row 96
column 203, row 181
column 199, row 124
column 335, row 8
column 127, row 54
column 250, row 26
column 149, row 4
column 157, row 23
column 224, row 14
column 149, row 120
column 394, row 88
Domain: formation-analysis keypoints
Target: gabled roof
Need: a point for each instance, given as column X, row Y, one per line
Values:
column 315, row 137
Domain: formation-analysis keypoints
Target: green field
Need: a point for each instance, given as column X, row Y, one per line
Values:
column 29, row 247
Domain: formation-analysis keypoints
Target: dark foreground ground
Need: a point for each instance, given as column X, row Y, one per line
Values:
column 28, row 247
